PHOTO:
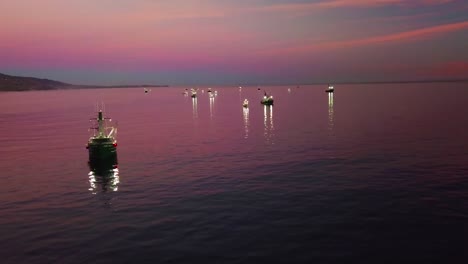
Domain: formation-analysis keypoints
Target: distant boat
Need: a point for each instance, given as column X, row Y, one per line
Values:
column 194, row 93
column 267, row 99
column 102, row 145
column 246, row 103
column 330, row 89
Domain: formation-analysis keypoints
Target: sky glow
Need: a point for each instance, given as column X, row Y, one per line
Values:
column 233, row 42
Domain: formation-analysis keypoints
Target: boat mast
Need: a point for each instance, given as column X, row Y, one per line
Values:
column 101, row 125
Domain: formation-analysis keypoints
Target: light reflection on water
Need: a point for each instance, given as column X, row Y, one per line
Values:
column 246, row 121
column 103, row 178
column 269, row 128
column 195, row 107
column 330, row 112
column 212, row 102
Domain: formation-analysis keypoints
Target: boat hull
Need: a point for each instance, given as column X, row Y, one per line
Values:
column 103, row 166
column 267, row 102
column 102, row 152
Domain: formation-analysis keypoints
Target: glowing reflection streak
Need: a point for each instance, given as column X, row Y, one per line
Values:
column 246, row 122
column 195, row 108
column 330, row 112
column 268, row 123
column 271, row 118
column 212, row 99
column 108, row 181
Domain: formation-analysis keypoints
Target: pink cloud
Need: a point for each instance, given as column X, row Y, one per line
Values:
column 412, row 35
column 348, row 3
column 372, row 3
column 402, row 36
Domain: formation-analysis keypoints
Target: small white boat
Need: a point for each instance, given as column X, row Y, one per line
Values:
column 246, row 103
column 330, row 89
column 194, row 93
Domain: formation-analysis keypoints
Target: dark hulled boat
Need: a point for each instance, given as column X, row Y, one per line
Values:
column 267, row 99
column 102, row 144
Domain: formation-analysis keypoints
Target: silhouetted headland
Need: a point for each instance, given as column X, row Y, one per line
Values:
column 16, row 83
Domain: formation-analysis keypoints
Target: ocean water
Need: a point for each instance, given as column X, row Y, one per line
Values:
column 374, row 173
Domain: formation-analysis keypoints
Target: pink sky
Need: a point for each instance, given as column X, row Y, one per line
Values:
column 226, row 42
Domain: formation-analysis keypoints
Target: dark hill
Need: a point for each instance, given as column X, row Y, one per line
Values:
column 15, row 83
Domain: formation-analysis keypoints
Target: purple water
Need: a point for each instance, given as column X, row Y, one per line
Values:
column 376, row 173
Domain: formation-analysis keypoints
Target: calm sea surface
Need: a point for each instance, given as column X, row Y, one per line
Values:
column 374, row 174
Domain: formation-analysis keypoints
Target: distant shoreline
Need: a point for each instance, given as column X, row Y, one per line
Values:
column 78, row 87
column 390, row 82
column 116, row 86
column 10, row 83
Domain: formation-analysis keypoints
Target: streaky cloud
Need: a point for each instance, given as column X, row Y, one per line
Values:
column 301, row 7
column 412, row 35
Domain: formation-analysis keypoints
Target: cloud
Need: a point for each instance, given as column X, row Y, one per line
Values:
column 412, row 35
column 348, row 3
column 404, row 36
column 373, row 3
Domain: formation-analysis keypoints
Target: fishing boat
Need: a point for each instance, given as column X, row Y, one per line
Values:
column 102, row 144
column 246, row 103
column 267, row 99
column 194, row 93
column 330, row 89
